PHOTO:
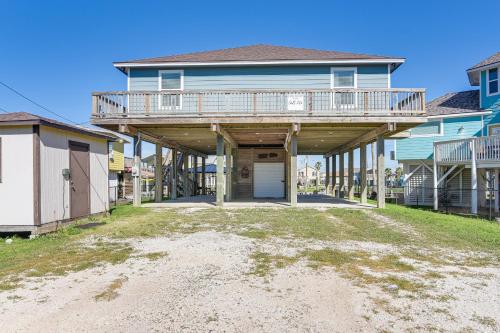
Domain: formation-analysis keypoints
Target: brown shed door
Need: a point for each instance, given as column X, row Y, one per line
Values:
column 79, row 164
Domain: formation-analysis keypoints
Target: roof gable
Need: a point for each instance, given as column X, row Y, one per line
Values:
column 474, row 71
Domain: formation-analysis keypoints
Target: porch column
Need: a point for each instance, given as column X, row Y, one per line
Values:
column 293, row 171
column 334, row 173
column 495, row 189
column 380, row 172
column 341, row 175
column 327, row 174
column 195, row 175
column 137, row 191
column 288, row 174
column 229, row 172
column 362, row 171
column 473, row 172
column 173, row 185
column 158, row 174
column 435, row 176
column 185, row 175
column 203, row 177
column 350, row 179
column 220, row 170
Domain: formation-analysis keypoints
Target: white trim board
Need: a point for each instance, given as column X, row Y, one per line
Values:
column 270, row 62
column 458, row 115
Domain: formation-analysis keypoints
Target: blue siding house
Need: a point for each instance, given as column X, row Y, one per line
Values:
column 257, row 107
column 462, row 131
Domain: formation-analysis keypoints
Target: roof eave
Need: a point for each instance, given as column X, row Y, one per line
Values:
column 473, row 72
column 395, row 62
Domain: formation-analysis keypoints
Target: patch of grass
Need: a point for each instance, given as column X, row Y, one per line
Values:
column 485, row 321
column 55, row 254
column 111, row 292
column 451, row 231
column 265, row 263
column 152, row 256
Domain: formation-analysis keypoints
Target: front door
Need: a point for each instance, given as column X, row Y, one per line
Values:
column 79, row 189
column 269, row 180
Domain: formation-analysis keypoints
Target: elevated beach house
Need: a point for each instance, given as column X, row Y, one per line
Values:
column 454, row 158
column 256, row 108
column 50, row 172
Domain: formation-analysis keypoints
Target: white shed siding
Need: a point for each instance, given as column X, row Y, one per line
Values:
column 16, row 186
column 54, row 157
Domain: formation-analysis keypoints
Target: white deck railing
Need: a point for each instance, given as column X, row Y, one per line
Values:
column 486, row 148
column 397, row 102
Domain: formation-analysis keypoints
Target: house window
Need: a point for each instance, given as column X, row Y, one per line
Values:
column 111, row 151
column 431, row 128
column 493, row 81
column 343, row 78
column 172, row 83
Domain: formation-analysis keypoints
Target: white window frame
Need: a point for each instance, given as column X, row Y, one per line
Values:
column 355, row 85
column 488, row 81
column 177, row 71
column 441, row 131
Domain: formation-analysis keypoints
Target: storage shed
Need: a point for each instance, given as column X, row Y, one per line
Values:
column 50, row 172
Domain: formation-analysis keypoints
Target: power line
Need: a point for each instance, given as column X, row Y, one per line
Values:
column 37, row 104
column 3, row 110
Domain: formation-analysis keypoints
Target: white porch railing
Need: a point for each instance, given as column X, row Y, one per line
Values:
column 397, row 102
column 486, row 148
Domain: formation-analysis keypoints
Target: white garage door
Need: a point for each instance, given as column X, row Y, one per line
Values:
column 268, row 181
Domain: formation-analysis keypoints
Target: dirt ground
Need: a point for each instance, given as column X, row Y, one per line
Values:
column 203, row 282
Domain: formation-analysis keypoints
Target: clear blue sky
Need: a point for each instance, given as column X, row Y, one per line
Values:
column 58, row 52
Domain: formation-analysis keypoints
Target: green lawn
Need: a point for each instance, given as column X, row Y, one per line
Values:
column 438, row 234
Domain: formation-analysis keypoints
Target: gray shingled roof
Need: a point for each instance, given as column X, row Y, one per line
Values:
column 454, row 103
column 489, row 61
column 259, row 52
column 25, row 118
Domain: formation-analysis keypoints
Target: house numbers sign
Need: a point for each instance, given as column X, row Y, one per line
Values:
column 296, row 102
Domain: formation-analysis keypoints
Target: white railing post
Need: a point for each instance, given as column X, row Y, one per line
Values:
column 473, row 200
column 435, row 180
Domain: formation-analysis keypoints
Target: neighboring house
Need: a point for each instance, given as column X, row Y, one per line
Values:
column 458, row 124
column 307, row 175
column 116, row 163
column 50, row 172
column 257, row 108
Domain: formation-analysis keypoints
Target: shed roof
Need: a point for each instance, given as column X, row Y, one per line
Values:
column 258, row 53
column 25, row 118
column 454, row 103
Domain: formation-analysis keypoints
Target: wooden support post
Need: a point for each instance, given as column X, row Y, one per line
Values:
column 495, row 189
column 195, row 175
column 159, row 174
column 334, row 173
column 173, row 185
column 473, row 171
column 380, row 172
column 341, row 175
column 435, row 198
column 288, row 174
column 203, row 177
column 350, row 177
column 293, row 170
column 220, row 170
column 362, row 171
column 137, row 191
column 229, row 172
column 185, row 174
column 327, row 174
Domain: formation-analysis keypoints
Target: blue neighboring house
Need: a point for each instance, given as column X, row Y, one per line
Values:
column 462, row 130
